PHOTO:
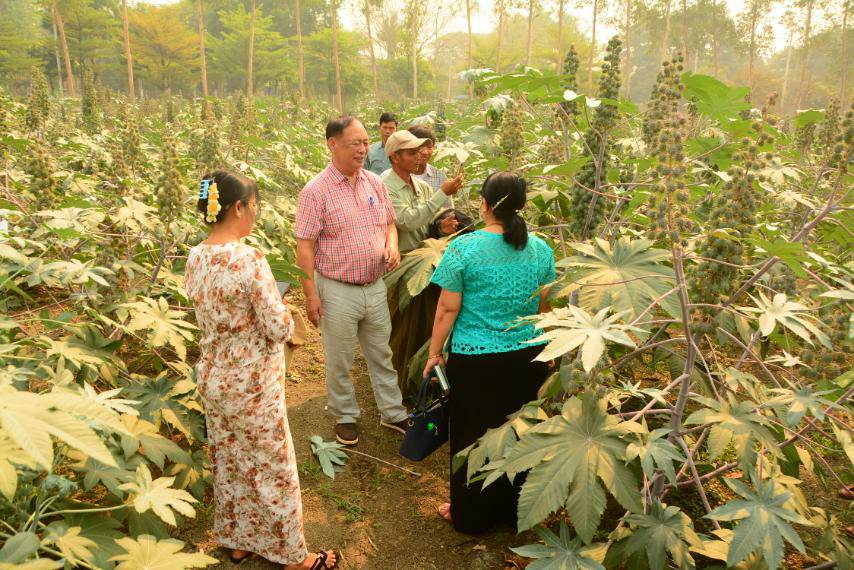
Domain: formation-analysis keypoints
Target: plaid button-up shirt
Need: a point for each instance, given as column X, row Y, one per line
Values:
column 349, row 224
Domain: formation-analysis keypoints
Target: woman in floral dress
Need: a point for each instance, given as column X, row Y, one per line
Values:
column 244, row 324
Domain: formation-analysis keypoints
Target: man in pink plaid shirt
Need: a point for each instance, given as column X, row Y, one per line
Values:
column 346, row 241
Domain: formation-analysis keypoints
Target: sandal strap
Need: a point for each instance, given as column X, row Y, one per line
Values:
column 320, row 561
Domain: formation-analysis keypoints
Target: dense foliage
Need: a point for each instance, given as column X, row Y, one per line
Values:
column 701, row 330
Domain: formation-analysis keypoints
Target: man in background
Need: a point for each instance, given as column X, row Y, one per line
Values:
column 415, row 205
column 377, row 161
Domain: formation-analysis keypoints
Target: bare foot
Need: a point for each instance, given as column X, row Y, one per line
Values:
column 237, row 556
column 445, row 512
column 331, row 561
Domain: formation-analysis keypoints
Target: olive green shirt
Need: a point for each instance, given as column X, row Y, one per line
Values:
column 415, row 208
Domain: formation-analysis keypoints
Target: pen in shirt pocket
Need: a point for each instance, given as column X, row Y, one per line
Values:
column 371, row 200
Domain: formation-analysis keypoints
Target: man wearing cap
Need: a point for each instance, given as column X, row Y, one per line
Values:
column 377, row 161
column 414, row 200
column 346, row 241
column 415, row 204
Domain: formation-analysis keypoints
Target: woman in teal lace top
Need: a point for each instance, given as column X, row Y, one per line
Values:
column 489, row 279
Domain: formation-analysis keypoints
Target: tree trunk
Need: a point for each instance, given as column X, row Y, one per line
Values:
column 413, row 49
column 716, row 54
column 751, row 58
column 300, row 54
column 450, row 76
column 785, row 89
column 628, row 72
column 685, row 31
column 339, row 98
column 250, row 79
column 560, row 54
column 842, row 100
column 367, row 8
column 128, row 54
column 804, row 56
column 202, row 59
column 469, row 58
column 69, row 75
column 530, row 33
column 665, row 41
column 58, row 64
column 592, row 48
column 501, row 18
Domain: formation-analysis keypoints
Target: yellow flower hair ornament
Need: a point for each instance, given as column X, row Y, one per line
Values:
column 213, row 203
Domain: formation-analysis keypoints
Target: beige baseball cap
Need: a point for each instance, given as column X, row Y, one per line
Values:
column 401, row 140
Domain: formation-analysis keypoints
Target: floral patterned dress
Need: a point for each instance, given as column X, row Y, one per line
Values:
column 244, row 326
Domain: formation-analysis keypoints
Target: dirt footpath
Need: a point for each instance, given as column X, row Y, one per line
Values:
column 377, row 516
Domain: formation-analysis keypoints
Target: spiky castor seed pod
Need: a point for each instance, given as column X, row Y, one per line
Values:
column 828, row 130
column 826, row 362
column 130, row 138
column 570, row 82
column 552, row 151
column 844, row 144
column 170, row 191
column 169, row 113
column 588, row 208
column 804, row 136
column 38, row 103
column 670, row 195
column 240, row 122
column 89, row 103
column 441, row 126
column 43, row 187
column 512, row 135
column 731, row 222
column 655, row 114
column 208, row 153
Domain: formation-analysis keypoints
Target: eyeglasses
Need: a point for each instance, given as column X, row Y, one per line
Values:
column 358, row 144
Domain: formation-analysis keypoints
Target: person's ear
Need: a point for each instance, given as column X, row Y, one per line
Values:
column 238, row 209
column 330, row 144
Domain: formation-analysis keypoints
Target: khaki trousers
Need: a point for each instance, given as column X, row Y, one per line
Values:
column 351, row 313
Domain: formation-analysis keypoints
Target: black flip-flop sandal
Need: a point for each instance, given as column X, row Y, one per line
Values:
column 235, row 560
column 320, row 563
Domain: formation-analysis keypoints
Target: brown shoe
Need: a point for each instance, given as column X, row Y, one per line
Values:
column 347, row 434
column 400, row 426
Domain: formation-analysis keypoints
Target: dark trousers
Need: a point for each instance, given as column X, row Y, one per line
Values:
column 485, row 389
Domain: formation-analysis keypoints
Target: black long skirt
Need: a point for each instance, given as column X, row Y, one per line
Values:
column 485, row 389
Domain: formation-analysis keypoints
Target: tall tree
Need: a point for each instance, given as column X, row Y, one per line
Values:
column 753, row 14
column 165, row 53
column 665, row 40
column 685, row 30
column 716, row 48
column 128, row 54
column 228, row 53
column 200, row 13
column 339, row 98
column 367, row 8
column 530, row 46
column 60, row 25
column 469, row 59
column 592, row 46
column 805, row 54
column 300, row 52
column 250, row 80
column 844, row 60
column 791, row 26
column 628, row 33
column 561, row 6
column 502, row 22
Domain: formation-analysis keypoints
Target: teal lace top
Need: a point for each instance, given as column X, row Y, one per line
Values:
column 498, row 284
